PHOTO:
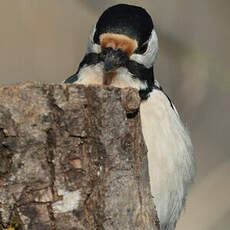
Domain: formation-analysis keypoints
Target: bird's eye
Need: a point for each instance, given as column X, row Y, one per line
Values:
column 142, row 49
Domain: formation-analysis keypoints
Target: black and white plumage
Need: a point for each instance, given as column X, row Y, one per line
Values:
column 121, row 52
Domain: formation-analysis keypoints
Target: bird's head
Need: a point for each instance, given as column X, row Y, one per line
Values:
column 123, row 33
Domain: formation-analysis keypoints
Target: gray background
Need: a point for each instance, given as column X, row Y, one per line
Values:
column 44, row 40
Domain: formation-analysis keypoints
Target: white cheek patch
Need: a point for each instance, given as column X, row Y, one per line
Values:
column 147, row 59
column 92, row 47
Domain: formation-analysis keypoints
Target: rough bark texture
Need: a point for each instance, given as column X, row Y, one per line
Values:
column 73, row 158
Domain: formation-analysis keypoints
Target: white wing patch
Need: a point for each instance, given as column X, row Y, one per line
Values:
column 170, row 156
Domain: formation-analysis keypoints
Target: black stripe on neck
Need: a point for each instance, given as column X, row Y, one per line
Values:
column 143, row 74
column 138, row 71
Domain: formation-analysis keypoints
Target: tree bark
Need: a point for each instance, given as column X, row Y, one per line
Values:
column 73, row 158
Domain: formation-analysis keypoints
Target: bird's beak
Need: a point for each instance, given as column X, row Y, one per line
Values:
column 110, row 64
column 114, row 59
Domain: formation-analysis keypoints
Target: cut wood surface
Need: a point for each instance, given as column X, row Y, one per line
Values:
column 73, row 158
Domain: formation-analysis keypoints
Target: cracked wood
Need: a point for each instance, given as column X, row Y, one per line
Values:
column 72, row 157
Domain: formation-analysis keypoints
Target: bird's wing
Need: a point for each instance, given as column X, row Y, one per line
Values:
column 170, row 155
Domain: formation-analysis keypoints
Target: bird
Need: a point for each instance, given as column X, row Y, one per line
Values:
column 121, row 52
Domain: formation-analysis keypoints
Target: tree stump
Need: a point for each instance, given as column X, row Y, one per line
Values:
column 73, row 158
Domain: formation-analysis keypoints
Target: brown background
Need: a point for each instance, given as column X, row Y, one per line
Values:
column 44, row 40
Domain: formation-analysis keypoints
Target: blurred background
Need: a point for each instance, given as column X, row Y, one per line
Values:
column 44, row 40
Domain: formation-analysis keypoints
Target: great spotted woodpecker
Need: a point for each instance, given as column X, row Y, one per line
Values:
column 121, row 51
